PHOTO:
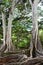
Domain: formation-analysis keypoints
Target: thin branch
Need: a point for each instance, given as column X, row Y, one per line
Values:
column 30, row 2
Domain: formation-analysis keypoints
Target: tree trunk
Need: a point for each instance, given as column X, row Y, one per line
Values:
column 4, row 27
column 10, row 46
column 8, row 39
column 34, row 41
column 35, row 22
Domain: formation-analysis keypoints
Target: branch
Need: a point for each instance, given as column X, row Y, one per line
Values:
column 30, row 2
column 13, row 6
column 11, row 13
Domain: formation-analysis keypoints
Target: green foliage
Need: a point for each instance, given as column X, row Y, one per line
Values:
column 0, row 36
column 25, row 42
column 20, row 7
column 41, row 35
column 20, row 36
column 6, row 2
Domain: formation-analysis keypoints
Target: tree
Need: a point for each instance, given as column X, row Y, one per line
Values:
column 7, row 31
column 35, row 37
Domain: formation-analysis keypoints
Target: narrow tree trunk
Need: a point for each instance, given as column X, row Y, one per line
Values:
column 34, row 5
column 10, row 46
column 35, row 22
column 4, row 27
column 4, row 46
column 9, row 40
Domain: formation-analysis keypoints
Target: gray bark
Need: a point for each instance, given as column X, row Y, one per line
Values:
column 10, row 19
column 4, row 27
column 35, row 25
